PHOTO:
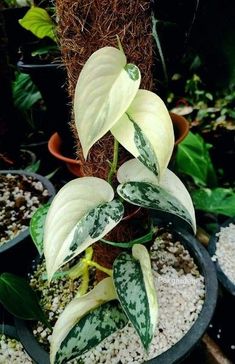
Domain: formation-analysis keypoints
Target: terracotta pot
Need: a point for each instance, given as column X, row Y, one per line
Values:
column 181, row 127
column 55, row 145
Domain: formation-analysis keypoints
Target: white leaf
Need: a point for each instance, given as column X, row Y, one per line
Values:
column 77, row 308
column 147, row 115
column 71, row 203
column 105, row 89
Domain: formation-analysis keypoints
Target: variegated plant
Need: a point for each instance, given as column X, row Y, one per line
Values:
column 108, row 98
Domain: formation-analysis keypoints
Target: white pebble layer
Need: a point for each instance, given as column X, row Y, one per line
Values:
column 225, row 251
column 180, row 299
column 12, row 352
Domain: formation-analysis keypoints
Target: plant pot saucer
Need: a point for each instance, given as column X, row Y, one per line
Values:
column 222, row 277
column 55, row 146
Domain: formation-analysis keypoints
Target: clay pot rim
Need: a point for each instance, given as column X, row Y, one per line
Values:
column 182, row 126
column 54, row 145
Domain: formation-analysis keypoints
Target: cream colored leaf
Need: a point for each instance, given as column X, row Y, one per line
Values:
column 146, row 131
column 78, row 308
column 71, row 203
column 105, row 88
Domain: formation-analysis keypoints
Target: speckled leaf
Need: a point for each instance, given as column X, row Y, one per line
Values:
column 85, row 322
column 134, row 285
column 154, row 197
column 36, row 227
column 76, row 201
column 133, row 170
column 146, row 131
column 91, row 228
column 105, row 88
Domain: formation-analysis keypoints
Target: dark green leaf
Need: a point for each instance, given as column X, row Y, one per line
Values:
column 217, row 201
column 36, row 227
column 91, row 330
column 19, row 299
column 193, row 159
column 25, row 93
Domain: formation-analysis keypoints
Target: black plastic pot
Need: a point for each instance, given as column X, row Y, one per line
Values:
column 224, row 280
column 16, row 255
column 181, row 349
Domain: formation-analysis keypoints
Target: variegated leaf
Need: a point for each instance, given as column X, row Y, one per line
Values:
column 134, row 285
column 78, row 200
column 85, row 322
column 134, row 171
column 105, row 88
column 154, row 197
column 146, row 131
column 36, row 227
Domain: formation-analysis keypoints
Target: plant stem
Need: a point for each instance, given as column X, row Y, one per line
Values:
column 91, row 263
column 113, row 168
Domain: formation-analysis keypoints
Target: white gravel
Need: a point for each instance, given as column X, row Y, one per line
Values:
column 12, row 352
column 225, row 251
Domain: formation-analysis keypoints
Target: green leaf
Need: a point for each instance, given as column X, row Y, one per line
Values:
column 19, row 299
column 146, row 131
column 134, row 285
column 218, row 201
column 33, row 167
column 81, row 213
column 193, row 159
column 85, row 322
column 155, row 197
column 169, row 195
column 105, row 89
column 36, row 227
column 39, row 22
column 25, row 93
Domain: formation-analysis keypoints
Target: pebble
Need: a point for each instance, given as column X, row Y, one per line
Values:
column 225, row 251
column 12, row 352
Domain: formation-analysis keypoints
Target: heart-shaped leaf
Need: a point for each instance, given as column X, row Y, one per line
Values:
column 36, row 227
column 105, row 88
column 146, row 131
column 38, row 21
column 81, row 213
column 85, row 322
column 135, row 289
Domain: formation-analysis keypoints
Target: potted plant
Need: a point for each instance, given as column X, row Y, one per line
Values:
column 87, row 209
column 21, row 194
column 41, row 60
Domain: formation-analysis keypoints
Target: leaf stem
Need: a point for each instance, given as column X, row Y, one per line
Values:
column 91, row 263
column 113, row 168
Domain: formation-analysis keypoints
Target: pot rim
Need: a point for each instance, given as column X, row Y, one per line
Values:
column 25, row 233
column 222, row 277
column 183, row 347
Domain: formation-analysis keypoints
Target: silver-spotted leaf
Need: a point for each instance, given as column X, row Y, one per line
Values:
column 146, row 131
column 36, row 227
column 91, row 330
column 85, row 322
column 77, row 201
column 155, row 197
column 135, row 289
